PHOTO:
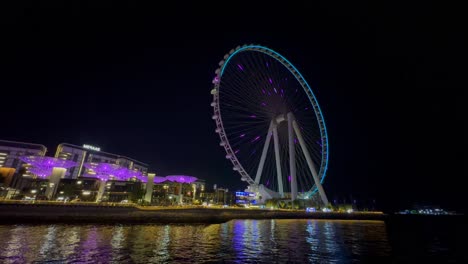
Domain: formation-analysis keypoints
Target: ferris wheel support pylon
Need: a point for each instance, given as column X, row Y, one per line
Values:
column 264, row 152
column 292, row 157
column 310, row 163
column 278, row 160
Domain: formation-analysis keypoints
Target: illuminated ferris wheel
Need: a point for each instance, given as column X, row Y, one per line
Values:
column 270, row 124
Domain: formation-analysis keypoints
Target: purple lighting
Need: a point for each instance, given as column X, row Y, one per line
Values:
column 47, row 162
column 263, row 91
column 159, row 179
column 289, row 178
column 256, row 138
column 275, row 90
column 142, row 179
column 269, row 79
column 240, row 67
column 156, row 179
column 253, row 116
column 264, row 104
column 125, row 174
column 241, row 136
column 103, row 171
column 106, row 170
column 40, row 172
column 237, row 151
column 43, row 166
column 181, row 178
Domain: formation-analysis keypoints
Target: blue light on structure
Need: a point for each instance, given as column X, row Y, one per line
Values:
column 245, row 194
column 264, row 50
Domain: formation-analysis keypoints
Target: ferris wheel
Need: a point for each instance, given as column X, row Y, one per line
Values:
column 270, row 124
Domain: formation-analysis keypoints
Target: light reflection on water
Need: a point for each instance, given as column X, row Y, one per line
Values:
column 237, row 241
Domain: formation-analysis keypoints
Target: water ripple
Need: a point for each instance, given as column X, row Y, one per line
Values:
column 237, row 241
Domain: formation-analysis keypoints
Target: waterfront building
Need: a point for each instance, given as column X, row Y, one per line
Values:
column 16, row 178
column 10, row 151
column 123, row 191
column 245, row 198
column 93, row 154
column 81, row 182
column 85, row 189
column 167, row 192
column 14, row 173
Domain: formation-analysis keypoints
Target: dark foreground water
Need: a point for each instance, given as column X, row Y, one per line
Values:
column 237, row 241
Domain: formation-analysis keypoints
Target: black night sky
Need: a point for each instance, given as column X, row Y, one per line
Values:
column 135, row 80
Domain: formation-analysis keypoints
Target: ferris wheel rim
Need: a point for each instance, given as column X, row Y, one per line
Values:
column 230, row 154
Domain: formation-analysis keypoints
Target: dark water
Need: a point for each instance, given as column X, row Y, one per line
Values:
column 238, row 241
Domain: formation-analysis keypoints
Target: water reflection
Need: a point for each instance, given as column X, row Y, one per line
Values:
column 238, row 241
column 15, row 245
column 160, row 250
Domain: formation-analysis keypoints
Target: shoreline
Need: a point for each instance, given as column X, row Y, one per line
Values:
column 54, row 213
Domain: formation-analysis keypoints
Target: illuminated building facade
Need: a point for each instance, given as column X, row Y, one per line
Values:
column 91, row 154
column 10, row 153
column 167, row 192
column 14, row 173
column 86, row 189
column 20, row 176
column 245, row 198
